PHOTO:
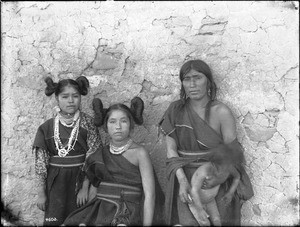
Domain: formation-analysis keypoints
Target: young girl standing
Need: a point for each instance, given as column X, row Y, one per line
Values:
column 61, row 146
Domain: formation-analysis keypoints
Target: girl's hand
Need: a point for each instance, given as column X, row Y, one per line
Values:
column 41, row 203
column 82, row 196
column 184, row 190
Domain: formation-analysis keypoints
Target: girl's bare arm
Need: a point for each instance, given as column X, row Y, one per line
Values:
column 147, row 175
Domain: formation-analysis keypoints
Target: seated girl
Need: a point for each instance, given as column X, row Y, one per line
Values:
column 121, row 173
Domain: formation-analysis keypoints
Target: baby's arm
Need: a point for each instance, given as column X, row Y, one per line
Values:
column 236, row 179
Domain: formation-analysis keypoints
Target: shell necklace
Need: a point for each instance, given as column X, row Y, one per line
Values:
column 64, row 150
column 119, row 150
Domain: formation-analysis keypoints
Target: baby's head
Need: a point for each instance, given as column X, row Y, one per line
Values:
column 223, row 159
column 227, row 155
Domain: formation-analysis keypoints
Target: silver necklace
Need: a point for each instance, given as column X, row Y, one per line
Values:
column 119, row 150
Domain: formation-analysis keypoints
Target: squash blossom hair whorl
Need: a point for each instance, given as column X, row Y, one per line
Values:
column 81, row 84
column 134, row 112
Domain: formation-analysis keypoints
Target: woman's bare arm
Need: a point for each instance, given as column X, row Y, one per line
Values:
column 182, row 179
column 227, row 123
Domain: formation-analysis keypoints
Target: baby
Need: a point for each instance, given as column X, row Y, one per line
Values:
column 206, row 181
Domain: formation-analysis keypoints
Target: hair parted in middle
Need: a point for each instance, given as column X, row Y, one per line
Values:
column 134, row 112
column 199, row 66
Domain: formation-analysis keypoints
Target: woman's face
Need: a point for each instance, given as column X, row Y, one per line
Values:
column 195, row 85
column 118, row 125
column 69, row 100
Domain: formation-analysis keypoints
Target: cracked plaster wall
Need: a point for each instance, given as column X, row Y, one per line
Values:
column 136, row 48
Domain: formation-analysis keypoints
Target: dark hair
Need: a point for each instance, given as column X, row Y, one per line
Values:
column 202, row 67
column 120, row 107
column 81, row 84
column 227, row 154
column 134, row 113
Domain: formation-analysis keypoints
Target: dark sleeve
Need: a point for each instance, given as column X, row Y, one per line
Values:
column 167, row 123
column 40, row 138
column 41, row 154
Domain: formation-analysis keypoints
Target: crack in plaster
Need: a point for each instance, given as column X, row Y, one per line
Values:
column 213, row 25
column 287, row 72
column 89, row 65
column 281, row 96
column 280, row 166
column 268, row 165
column 33, row 6
column 125, row 65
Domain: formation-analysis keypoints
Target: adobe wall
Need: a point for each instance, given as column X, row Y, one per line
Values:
column 129, row 49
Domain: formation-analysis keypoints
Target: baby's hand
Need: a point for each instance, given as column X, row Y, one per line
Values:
column 206, row 184
column 227, row 198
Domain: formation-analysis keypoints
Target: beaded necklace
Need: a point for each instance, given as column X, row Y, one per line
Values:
column 66, row 121
column 119, row 150
column 64, row 150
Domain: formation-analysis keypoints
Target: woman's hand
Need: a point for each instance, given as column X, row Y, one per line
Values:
column 184, row 191
column 200, row 215
column 82, row 196
column 203, row 218
column 41, row 203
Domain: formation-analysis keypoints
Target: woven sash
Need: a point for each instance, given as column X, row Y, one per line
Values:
column 68, row 161
column 117, row 191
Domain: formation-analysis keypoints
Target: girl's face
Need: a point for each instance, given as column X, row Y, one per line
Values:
column 195, row 84
column 118, row 125
column 69, row 100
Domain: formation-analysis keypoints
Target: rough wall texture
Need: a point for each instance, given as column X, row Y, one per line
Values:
column 136, row 48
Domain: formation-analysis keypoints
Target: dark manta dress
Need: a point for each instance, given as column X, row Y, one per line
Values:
column 62, row 174
column 119, row 192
